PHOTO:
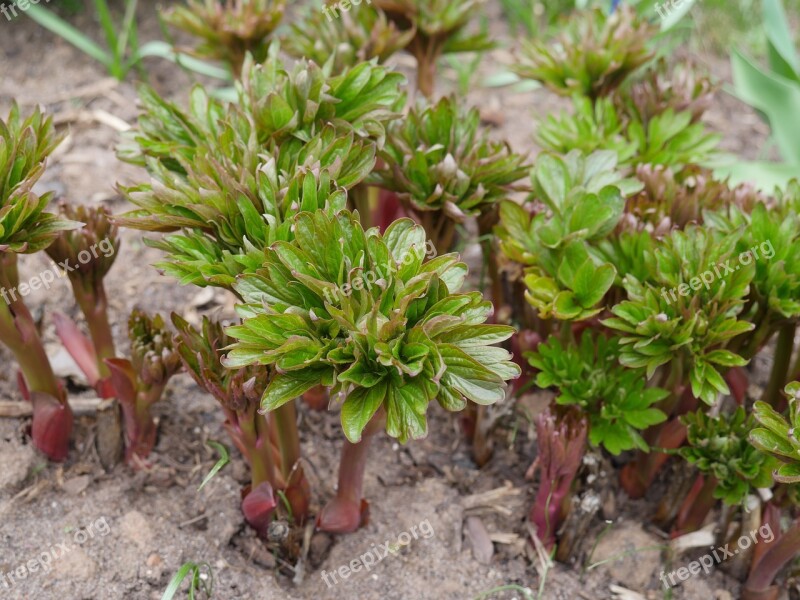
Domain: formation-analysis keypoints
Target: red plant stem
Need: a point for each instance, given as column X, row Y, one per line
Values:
column 140, row 427
column 18, row 331
column 255, row 444
column 426, row 68
column 288, row 438
column 780, row 367
column 782, row 551
column 770, row 517
column 562, row 444
column 298, row 491
column 696, row 506
column 94, row 305
column 352, row 466
column 346, row 512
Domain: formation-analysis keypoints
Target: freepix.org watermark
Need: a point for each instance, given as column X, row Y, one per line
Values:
column 366, row 280
column 668, row 6
column 378, row 552
column 43, row 561
column 708, row 561
column 329, row 10
column 56, row 271
column 706, row 278
column 10, row 11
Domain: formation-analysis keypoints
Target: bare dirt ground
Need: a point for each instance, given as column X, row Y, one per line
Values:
column 157, row 520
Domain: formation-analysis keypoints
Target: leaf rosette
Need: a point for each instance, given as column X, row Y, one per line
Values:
column 366, row 315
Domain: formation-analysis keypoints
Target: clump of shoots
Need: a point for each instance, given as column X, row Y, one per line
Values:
column 89, row 253
column 140, row 382
column 367, row 316
column 25, row 228
column 445, row 169
column 359, row 35
column 593, row 55
column 254, row 433
column 777, row 437
column 440, row 28
column 228, row 29
column 561, row 439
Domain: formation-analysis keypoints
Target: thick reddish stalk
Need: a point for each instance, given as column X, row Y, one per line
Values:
column 782, row 551
column 52, row 415
column 298, row 491
column 696, row 506
column 348, row 510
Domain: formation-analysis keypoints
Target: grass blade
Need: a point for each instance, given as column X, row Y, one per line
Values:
column 223, row 460
column 57, row 25
column 196, row 582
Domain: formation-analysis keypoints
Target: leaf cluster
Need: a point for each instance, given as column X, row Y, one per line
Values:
column 593, row 54
column 589, row 375
column 25, row 143
column 364, row 314
column 777, row 436
column 718, row 446
column 358, row 35
column 439, row 159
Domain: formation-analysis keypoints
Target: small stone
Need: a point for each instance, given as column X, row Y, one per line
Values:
column 154, row 560
column 482, row 546
column 76, row 485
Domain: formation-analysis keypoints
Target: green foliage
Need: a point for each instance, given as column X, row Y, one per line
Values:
column 359, row 35
column 777, row 436
column 25, row 143
column 296, row 141
column 439, row 159
column 592, row 55
column 668, row 138
column 718, row 447
column 228, row 29
column 614, row 397
column 201, row 352
column 664, row 87
column 440, row 24
column 362, row 313
column 773, row 90
column 583, row 196
column 688, row 326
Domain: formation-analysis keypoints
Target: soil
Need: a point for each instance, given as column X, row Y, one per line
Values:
column 145, row 525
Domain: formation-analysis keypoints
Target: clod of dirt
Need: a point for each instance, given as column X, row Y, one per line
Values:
column 135, row 527
column 16, row 462
column 633, row 555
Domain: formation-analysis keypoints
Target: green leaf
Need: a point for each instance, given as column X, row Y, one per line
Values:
column 359, row 407
column 285, row 387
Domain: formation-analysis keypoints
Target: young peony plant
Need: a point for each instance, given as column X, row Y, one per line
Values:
column 445, row 169
column 440, row 27
column 140, row 382
column 593, row 55
column 228, row 29
column 99, row 241
column 367, row 316
column 25, row 228
column 359, row 35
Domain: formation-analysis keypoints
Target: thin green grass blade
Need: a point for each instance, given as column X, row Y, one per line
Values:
column 224, row 459
column 57, row 25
